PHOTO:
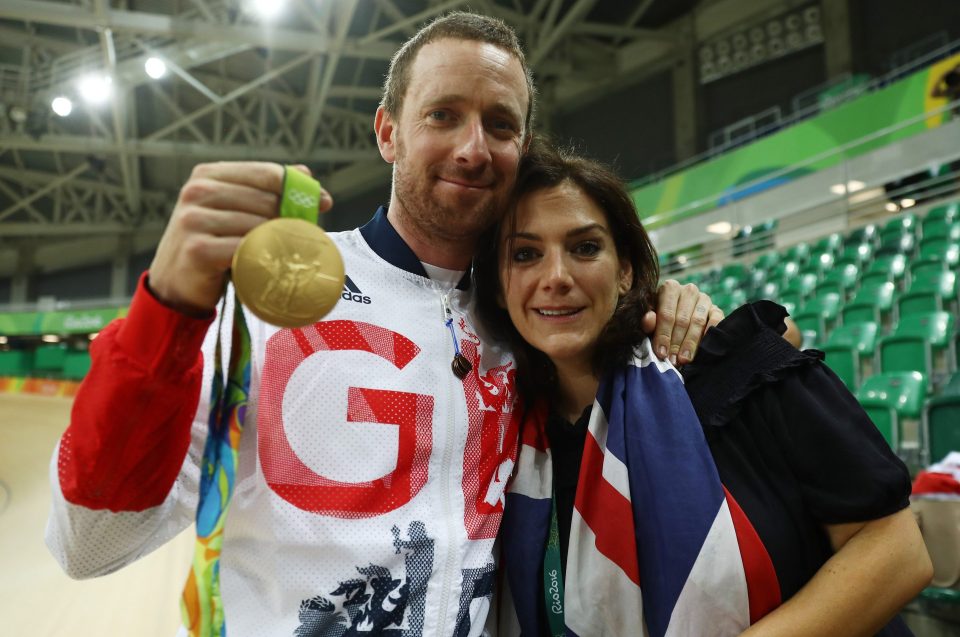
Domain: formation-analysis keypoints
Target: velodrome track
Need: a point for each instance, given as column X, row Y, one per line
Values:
column 36, row 598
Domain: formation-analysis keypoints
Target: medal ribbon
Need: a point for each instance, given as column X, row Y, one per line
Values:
column 201, row 607
column 553, row 576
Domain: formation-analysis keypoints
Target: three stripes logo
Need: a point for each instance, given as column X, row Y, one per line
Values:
column 352, row 293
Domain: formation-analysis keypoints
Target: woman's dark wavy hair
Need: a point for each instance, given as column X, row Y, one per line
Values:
column 545, row 166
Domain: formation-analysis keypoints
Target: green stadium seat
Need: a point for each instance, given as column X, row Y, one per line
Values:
column 732, row 283
column 945, row 212
column 942, row 419
column 791, row 301
column 871, row 304
column 858, row 255
column 850, row 352
column 819, row 314
column 937, row 244
column 842, row 280
column 943, row 251
column 799, row 253
column 942, row 603
column 887, row 267
column 729, row 301
column 769, row 290
column 819, row 265
column 803, row 285
column 922, row 267
column 735, row 270
column 897, row 244
column 831, row 243
column 929, row 291
column 867, row 234
column 894, row 402
column 940, row 229
column 898, row 226
column 784, row 271
column 921, row 342
column 766, row 261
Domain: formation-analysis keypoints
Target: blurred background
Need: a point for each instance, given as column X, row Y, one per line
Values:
column 805, row 151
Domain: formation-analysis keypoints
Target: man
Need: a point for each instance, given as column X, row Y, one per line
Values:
column 370, row 478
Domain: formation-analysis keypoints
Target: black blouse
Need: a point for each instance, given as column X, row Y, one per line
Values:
column 791, row 443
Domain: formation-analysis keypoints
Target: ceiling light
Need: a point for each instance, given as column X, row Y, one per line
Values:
column 96, row 89
column 62, row 106
column 155, row 67
column 18, row 114
column 838, row 189
column 50, row 338
column 853, row 185
column 266, row 9
column 907, row 203
column 892, row 207
column 720, row 227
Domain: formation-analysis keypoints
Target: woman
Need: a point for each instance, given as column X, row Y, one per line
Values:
column 783, row 513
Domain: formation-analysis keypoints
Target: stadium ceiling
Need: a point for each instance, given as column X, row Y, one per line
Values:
column 300, row 88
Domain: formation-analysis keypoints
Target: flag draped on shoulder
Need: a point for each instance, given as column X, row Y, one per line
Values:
column 656, row 540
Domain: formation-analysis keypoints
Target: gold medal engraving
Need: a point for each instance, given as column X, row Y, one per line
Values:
column 288, row 272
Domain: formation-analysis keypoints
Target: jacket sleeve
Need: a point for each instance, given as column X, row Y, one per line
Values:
column 125, row 473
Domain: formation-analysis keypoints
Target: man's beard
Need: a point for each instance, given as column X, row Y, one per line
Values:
column 432, row 218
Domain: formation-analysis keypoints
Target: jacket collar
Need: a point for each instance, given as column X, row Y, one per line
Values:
column 384, row 239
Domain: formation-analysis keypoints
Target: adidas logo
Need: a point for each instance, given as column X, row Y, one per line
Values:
column 352, row 293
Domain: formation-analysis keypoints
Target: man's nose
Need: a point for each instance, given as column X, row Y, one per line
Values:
column 472, row 147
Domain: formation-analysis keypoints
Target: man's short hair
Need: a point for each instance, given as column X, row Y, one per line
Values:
column 459, row 25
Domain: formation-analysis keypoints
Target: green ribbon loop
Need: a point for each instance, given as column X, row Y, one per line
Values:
column 301, row 196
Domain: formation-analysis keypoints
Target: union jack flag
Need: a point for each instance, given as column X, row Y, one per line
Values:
column 656, row 540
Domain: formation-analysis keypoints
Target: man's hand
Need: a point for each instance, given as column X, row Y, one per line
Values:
column 219, row 204
column 683, row 315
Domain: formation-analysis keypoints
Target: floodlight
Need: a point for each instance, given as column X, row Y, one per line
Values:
column 155, row 67
column 95, row 89
column 266, row 9
column 62, row 106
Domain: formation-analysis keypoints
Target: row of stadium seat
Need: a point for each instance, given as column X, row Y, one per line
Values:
column 920, row 428
column 881, row 302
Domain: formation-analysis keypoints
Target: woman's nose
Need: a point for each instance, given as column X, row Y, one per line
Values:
column 557, row 273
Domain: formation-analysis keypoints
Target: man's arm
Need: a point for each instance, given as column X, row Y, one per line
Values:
column 123, row 480
column 683, row 316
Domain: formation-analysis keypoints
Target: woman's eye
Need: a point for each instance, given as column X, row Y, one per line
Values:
column 587, row 248
column 520, row 255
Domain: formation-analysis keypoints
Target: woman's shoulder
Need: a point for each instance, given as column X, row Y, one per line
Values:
column 742, row 353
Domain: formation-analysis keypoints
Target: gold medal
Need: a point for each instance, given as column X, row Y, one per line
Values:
column 288, row 272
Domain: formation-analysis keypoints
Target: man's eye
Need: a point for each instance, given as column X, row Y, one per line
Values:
column 440, row 116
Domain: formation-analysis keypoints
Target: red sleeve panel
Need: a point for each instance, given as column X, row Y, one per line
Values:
column 130, row 426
